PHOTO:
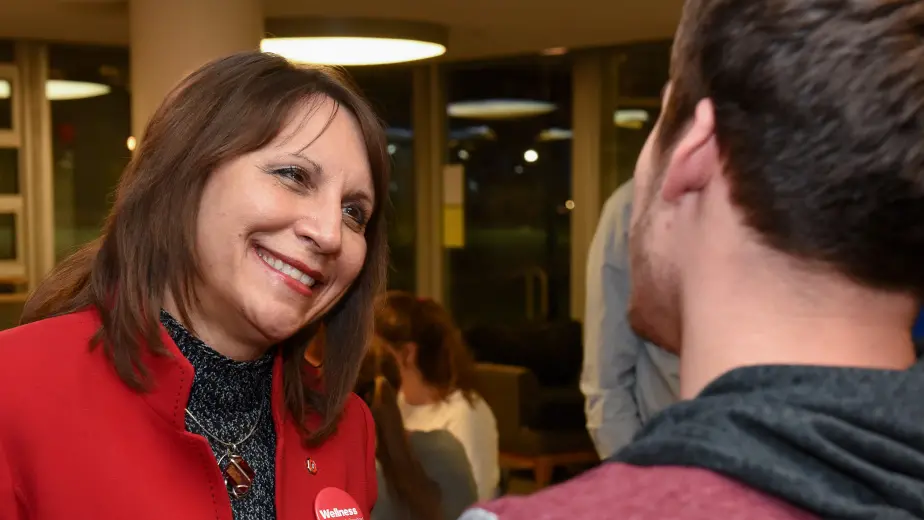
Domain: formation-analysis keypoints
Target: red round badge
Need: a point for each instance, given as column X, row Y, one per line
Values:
column 336, row 504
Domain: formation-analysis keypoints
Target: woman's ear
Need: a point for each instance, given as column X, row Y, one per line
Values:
column 399, row 353
column 409, row 354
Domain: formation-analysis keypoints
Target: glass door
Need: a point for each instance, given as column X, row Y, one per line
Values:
column 509, row 139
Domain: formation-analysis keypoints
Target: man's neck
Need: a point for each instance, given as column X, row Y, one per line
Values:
column 753, row 316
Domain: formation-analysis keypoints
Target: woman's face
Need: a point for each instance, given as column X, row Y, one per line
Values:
column 280, row 232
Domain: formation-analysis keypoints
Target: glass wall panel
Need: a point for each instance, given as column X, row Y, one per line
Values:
column 510, row 130
column 6, row 86
column 7, row 51
column 9, row 312
column 9, row 171
column 390, row 90
column 633, row 78
column 8, row 237
column 91, row 124
column 6, row 103
column 11, row 290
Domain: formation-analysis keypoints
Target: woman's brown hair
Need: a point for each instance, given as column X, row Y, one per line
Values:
column 226, row 109
column 442, row 357
column 407, row 482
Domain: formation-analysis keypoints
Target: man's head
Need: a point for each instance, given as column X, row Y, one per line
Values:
column 792, row 130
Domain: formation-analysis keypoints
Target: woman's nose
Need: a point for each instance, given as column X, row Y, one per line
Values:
column 322, row 225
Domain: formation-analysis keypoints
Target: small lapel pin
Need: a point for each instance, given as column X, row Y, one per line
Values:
column 311, row 466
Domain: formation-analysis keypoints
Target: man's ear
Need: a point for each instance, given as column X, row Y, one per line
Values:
column 694, row 158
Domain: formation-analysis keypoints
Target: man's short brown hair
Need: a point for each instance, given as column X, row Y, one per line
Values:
column 819, row 117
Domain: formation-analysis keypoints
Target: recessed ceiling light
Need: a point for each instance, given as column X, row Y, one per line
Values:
column 556, row 134
column 499, row 108
column 399, row 134
column 349, row 42
column 472, row 133
column 633, row 119
column 60, row 89
column 57, row 89
column 348, row 50
column 469, row 133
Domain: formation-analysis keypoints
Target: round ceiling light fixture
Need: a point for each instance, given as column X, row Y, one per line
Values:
column 632, row 119
column 499, row 108
column 62, row 89
column 399, row 134
column 59, row 89
column 353, row 41
column 555, row 134
column 473, row 133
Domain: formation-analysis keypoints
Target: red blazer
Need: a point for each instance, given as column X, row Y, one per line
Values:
column 76, row 443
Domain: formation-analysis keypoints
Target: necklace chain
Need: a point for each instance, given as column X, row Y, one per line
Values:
column 228, row 445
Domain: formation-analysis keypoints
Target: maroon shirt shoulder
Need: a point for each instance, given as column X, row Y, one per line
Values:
column 615, row 491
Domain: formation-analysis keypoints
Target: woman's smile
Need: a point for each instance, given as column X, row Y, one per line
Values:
column 295, row 274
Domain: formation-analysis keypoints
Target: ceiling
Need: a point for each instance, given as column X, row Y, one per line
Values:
column 478, row 28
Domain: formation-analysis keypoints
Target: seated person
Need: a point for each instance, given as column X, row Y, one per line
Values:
column 421, row 475
column 437, row 381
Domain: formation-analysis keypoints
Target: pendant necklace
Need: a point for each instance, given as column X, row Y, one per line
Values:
column 238, row 474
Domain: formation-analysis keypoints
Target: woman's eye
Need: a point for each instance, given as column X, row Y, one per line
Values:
column 292, row 173
column 356, row 213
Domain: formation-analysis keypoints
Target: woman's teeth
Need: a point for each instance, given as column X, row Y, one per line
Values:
column 286, row 269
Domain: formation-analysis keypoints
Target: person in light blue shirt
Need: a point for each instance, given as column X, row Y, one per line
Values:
column 917, row 334
column 625, row 380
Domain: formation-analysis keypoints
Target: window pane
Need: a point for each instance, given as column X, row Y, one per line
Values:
column 7, row 51
column 88, row 141
column 644, row 69
column 9, row 314
column 389, row 89
column 7, row 236
column 515, row 262
column 9, row 171
column 634, row 77
column 6, row 104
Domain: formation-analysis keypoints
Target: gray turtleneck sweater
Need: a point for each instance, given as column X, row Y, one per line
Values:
column 228, row 398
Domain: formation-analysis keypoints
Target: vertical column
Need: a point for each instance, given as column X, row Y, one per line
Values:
column 36, row 161
column 585, row 169
column 172, row 38
column 429, row 113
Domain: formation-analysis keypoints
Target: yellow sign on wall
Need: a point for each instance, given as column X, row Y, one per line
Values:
column 454, row 206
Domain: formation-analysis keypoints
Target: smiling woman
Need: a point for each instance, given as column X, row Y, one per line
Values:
column 175, row 343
